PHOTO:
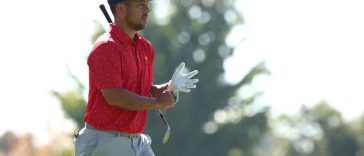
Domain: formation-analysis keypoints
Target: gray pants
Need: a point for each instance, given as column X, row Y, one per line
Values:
column 93, row 142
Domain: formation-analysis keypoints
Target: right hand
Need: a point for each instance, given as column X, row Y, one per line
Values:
column 165, row 100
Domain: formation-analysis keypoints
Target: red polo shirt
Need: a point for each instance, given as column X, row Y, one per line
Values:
column 117, row 61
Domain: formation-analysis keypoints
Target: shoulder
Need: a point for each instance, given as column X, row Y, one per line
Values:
column 104, row 45
column 105, row 41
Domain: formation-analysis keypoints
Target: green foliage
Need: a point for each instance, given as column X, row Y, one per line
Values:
column 200, row 42
column 72, row 102
column 99, row 31
column 319, row 131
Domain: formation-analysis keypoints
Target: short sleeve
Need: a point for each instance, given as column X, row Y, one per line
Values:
column 105, row 66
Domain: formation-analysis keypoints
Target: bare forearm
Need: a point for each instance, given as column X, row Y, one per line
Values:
column 128, row 100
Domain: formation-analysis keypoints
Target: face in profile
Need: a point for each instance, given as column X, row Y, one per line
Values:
column 136, row 14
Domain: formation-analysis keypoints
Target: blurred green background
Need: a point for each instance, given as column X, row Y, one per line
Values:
column 215, row 119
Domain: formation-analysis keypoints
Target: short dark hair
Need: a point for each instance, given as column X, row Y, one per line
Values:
column 111, row 2
column 113, row 6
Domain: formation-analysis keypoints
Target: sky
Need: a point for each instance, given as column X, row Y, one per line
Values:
column 312, row 48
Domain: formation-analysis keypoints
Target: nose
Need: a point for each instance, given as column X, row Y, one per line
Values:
column 146, row 9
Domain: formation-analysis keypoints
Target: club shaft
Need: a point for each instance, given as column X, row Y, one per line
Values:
column 104, row 11
column 163, row 118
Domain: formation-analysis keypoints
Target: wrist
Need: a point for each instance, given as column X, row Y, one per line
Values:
column 155, row 103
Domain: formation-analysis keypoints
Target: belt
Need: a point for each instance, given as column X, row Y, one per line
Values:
column 116, row 133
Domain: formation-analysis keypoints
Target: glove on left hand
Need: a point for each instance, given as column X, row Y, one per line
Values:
column 182, row 82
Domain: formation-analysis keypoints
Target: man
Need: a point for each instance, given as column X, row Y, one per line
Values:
column 121, row 85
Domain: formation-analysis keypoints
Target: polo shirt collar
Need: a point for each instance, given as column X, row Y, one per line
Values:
column 121, row 35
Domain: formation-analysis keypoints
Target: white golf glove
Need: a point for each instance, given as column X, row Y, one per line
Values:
column 182, row 82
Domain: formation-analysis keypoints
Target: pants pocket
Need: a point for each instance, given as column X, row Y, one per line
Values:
column 146, row 142
column 85, row 143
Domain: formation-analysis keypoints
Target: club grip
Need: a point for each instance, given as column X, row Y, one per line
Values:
column 103, row 9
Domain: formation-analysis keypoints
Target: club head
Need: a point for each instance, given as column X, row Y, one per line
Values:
column 166, row 135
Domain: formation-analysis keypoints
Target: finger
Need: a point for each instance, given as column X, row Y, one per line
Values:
column 179, row 69
column 191, row 74
column 190, row 86
column 186, row 90
column 175, row 97
column 191, row 81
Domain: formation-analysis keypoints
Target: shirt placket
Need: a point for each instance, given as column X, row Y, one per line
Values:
column 139, row 65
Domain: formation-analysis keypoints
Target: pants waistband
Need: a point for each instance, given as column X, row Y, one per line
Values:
column 116, row 133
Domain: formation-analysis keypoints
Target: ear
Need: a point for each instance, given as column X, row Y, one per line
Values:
column 120, row 8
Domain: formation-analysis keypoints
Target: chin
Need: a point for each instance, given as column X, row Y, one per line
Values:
column 139, row 27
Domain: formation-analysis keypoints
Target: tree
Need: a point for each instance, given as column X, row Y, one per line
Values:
column 72, row 101
column 23, row 145
column 196, row 35
column 357, row 126
column 317, row 131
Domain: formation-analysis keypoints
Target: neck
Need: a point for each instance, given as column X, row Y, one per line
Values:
column 130, row 32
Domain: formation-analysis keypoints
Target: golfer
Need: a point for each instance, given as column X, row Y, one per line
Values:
column 121, row 89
